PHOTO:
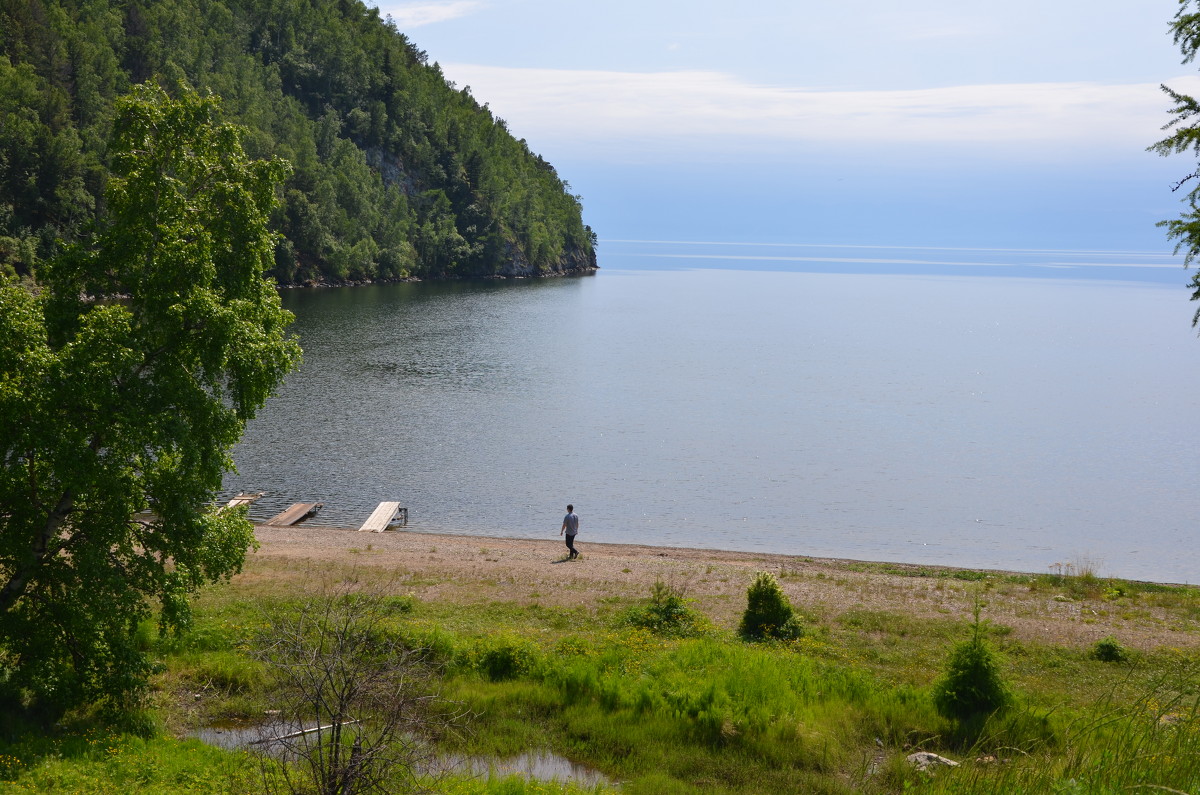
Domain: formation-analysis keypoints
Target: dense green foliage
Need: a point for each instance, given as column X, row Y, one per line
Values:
column 116, row 418
column 769, row 612
column 395, row 173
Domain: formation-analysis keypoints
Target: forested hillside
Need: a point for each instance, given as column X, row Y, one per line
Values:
column 396, row 174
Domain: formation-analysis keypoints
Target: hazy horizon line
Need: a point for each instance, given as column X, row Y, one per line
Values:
column 996, row 249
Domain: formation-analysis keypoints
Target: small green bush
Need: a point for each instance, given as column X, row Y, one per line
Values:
column 972, row 686
column 1109, row 650
column 667, row 614
column 769, row 613
column 399, row 604
column 506, row 657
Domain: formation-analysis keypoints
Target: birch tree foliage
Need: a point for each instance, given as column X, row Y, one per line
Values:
column 117, row 415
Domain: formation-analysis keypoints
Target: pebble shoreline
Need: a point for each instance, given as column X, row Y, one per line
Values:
column 474, row 569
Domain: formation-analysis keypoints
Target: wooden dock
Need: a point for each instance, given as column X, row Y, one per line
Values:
column 242, row 499
column 384, row 515
column 295, row 514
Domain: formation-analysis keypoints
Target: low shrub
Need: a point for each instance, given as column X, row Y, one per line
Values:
column 667, row 613
column 506, row 657
column 1109, row 650
column 400, row 605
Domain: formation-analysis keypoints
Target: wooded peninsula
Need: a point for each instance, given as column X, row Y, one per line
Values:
column 396, row 173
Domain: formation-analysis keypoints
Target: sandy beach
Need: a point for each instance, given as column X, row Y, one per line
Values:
column 468, row 570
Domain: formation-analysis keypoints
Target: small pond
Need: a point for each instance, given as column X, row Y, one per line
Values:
column 536, row 765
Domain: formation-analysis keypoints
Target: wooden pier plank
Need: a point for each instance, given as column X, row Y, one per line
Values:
column 382, row 516
column 297, row 513
column 242, row 499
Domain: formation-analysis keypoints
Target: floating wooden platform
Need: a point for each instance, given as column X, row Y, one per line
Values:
column 242, row 499
column 384, row 515
column 297, row 513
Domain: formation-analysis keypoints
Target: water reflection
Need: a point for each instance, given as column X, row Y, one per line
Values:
column 536, row 765
column 238, row 737
column 965, row 421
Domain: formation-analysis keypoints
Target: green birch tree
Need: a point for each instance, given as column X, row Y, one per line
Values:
column 123, row 386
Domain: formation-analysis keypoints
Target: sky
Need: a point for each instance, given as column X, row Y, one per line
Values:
column 926, row 123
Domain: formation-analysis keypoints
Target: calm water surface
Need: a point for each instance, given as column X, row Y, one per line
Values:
column 900, row 412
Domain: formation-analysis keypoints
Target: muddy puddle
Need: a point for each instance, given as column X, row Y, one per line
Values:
column 535, row 765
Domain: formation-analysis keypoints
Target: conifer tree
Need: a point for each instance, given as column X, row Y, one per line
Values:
column 1184, row 129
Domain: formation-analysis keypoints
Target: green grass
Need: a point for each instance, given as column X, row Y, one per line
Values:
column 615, row 686
column 99, row 760
column 713, row 714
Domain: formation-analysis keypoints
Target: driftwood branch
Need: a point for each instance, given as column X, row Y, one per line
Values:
column 302, row 732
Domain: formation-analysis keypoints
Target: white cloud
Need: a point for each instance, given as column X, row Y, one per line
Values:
column 414, row 15
column 712, row 110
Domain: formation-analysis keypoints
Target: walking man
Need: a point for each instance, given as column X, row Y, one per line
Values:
column 570, row 526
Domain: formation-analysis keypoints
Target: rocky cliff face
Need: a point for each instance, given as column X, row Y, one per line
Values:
column 573, row 261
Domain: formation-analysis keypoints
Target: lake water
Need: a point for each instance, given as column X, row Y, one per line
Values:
column 1001, row 409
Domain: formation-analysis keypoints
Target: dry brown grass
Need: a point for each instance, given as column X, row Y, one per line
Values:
column 472, row 570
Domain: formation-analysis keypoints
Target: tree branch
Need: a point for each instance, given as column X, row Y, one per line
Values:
column 16, row 584
column 1184, row 181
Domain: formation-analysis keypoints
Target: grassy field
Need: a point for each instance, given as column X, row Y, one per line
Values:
column 592, row 668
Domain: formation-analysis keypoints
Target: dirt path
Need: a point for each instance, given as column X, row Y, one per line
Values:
column 471, row 569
